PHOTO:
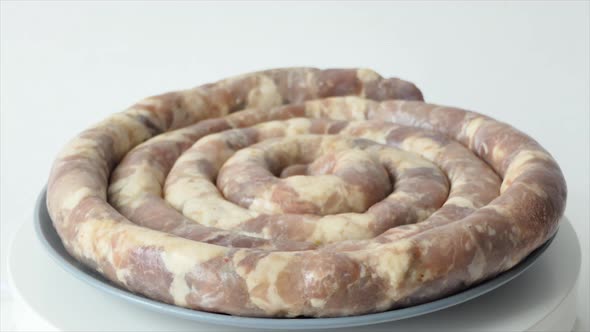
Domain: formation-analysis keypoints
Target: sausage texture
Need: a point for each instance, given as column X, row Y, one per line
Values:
column 302, row 192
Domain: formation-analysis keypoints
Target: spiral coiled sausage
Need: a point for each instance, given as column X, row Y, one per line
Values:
column 302, row 192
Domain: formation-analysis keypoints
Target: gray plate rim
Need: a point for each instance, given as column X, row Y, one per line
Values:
column 50, row 240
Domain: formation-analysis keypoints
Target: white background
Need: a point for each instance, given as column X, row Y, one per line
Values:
column 67, row 65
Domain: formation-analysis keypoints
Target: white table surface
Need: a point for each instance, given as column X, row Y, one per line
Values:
column 67, row 65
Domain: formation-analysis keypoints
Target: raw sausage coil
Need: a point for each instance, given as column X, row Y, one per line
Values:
column 302, row 192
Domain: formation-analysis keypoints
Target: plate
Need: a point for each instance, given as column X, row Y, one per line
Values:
column 51, row 241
